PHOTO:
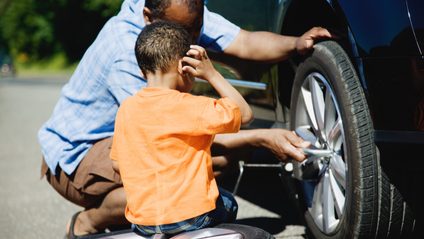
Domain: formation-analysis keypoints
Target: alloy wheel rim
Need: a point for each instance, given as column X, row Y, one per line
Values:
column 318, row 120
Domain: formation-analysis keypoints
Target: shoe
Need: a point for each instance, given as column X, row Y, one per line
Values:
column 71, row 234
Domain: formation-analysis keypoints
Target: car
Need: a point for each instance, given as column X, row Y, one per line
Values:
column 358, row 100
column 7, row 68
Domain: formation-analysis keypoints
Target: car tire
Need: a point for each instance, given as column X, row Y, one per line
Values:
column 401, row 214
column 338, row 195
column 248, row 232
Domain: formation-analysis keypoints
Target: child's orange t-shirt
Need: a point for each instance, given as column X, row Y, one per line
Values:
column 162, row 143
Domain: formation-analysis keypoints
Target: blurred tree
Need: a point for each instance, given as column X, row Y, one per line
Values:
column 43, row 28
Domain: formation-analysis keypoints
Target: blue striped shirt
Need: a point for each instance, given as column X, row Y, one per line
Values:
column 107, row 74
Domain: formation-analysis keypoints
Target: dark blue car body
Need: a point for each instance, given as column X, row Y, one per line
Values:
column 385, row 42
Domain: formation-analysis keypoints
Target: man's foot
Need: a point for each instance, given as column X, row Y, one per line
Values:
column 74, row 227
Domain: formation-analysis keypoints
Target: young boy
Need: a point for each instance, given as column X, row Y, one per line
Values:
column 163, row 136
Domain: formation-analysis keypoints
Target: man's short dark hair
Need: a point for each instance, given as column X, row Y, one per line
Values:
column 159, row 45
column 157, row 7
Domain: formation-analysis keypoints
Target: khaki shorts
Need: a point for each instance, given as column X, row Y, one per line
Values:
column 92, row 180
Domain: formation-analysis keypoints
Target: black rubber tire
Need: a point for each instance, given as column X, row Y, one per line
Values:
column 402, row 211
column 359, row 218
column 248, row 232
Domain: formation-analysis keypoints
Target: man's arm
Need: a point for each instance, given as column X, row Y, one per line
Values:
column 282, row 143
column 270, row 47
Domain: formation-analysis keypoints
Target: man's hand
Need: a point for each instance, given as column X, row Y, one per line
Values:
column 306, row 42
column 268, row 47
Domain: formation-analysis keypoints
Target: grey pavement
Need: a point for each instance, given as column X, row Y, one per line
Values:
column 30, row 208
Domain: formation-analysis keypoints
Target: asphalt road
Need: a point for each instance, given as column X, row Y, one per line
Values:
column 30, row 208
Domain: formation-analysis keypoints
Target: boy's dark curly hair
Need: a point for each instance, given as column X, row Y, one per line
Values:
column 159, row 45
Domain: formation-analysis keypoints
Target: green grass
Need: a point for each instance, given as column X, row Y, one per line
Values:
column 55, row 65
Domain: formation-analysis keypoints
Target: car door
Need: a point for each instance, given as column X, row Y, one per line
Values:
column 256, row 82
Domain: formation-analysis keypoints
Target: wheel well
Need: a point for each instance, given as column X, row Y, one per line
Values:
column 301, row 16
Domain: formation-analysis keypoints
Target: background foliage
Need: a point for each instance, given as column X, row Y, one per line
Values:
column 34, row 30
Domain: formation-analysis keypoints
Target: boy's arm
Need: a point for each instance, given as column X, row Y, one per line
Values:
column 282, row 143
column 225, row 89
column 201, row 67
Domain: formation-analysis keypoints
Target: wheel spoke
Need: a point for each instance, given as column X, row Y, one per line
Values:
column 305, row 133
column 338, row 195
column 323, row 169
column 318, row 103
column 338, row 168
column 318, row 106
column 308, row 103
column 328, row 204
column 316, row 209
column 330, row 112
column 335, row 139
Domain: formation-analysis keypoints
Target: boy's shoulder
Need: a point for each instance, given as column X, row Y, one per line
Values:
column 156, row 92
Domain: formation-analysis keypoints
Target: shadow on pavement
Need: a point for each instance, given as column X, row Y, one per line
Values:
column 264, row 188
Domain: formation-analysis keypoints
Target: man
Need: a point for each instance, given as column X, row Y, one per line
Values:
column 76, row 141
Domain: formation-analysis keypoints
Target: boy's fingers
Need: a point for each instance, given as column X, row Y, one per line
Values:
column 194, row 53
column 190, row 61
column 200, row 50
column 189, row 69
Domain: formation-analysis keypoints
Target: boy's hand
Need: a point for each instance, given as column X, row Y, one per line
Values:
column 199, row 65
column 285, row 144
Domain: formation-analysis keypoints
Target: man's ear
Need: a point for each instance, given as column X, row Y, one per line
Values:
column 143, row 75
column 147, row 15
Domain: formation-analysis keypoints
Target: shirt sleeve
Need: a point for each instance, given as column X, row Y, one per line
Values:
column 124, row 78
column 219, row 117
column 217, row 32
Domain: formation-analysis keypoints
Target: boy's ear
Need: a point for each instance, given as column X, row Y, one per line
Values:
column 147, row 15
column 143, row 75
column 180, row 67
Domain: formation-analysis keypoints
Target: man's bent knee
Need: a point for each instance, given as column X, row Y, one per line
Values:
column 61, row 183
column 91, row 181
